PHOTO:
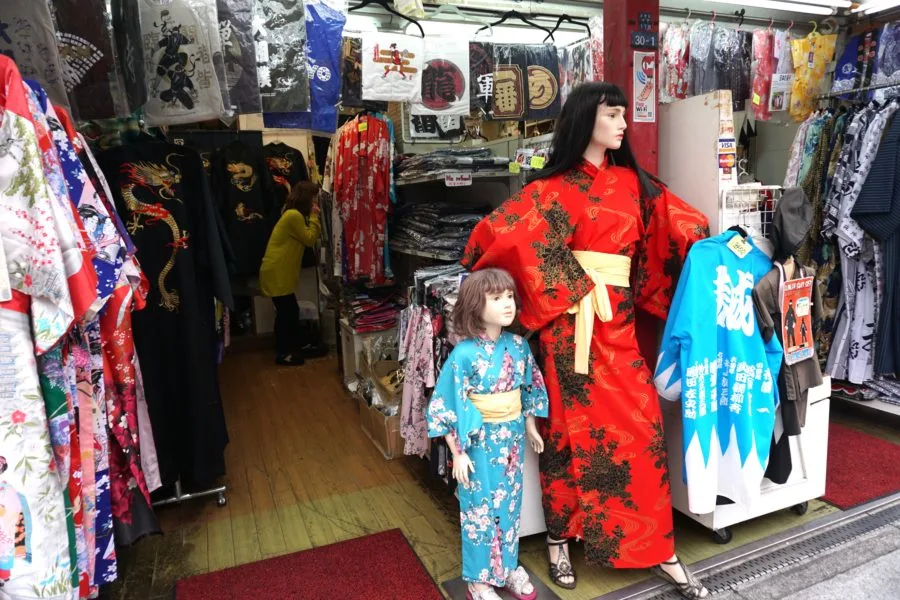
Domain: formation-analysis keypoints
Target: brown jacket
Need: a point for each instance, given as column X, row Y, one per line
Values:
column 795, row 380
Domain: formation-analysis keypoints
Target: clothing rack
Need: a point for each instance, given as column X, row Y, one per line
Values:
column 867, row 88
column 180, row 496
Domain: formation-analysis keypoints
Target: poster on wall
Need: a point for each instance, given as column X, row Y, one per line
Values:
column 445, row 78
column 644, row 87
column 391, row 66
column 780, row 98
column 727, row 157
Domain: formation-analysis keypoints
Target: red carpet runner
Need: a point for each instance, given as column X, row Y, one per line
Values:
column 861, row 467
column 375, row 567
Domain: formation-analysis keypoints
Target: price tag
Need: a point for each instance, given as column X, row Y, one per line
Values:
column 537, row 162
column 363, row 126
column 756, row 99
column 739, row 246
column 457, row 179
column 515, row 168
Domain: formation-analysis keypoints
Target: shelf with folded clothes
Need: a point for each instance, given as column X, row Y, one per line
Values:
column 447, row 256
column 438, row 176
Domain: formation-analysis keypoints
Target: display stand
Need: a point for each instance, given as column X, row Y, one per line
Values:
column 807, row 481
column 180, row 497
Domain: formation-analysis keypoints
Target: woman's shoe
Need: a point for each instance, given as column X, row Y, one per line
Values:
column 691, row 589
column 562, row 567
column 519, row 586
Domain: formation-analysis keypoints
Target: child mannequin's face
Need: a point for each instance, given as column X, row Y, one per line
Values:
column 499, row 308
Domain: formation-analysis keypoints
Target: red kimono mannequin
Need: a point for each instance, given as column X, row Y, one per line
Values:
column 586, row 246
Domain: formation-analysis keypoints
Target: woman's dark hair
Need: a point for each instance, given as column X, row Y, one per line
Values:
column 301, row 197
column 574, row 129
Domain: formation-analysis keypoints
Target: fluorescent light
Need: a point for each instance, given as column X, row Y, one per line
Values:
column 785, row 6
column 834, row 3
column 502, row 34
column 876, row 6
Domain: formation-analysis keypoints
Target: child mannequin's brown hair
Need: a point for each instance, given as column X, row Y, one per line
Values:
column 470, row 304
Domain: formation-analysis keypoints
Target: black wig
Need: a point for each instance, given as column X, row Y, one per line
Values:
column 575, row 126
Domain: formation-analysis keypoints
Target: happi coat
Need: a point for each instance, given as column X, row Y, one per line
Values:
column 491, row 503
column 603, row 471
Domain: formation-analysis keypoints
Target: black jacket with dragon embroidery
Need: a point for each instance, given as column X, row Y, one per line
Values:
column 247, row 200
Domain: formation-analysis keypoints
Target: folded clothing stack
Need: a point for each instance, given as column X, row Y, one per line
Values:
column 447, row 159
column 435, row 227
column 369, row 313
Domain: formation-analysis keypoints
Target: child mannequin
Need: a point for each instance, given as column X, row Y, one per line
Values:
column 485, row 402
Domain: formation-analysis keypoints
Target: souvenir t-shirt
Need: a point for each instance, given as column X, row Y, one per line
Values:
column 391, row 66
column 543, row 81
column 855, row 65
column 178, row 52
column 481, row 78
column 351, row 77
column 445, row 78
column 510, row 81
column 28, row 37
column 126, row 18
column 239, row 54
column 287, row 168
column 279, row 28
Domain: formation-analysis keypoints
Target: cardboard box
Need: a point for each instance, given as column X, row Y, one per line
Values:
column 384, row 431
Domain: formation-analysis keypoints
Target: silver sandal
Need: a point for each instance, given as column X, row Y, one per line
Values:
column 488, row 593
column 692, row 589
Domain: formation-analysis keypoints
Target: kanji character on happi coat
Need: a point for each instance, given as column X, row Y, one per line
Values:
column 591, row 239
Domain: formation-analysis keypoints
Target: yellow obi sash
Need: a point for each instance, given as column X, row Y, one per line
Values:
column 498, row 408
column 603, row 269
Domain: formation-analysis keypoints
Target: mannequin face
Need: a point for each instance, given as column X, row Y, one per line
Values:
column 499, row 309
column 609, row 127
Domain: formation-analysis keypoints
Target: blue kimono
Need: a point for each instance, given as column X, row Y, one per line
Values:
column 724, row 375
column 489, row 506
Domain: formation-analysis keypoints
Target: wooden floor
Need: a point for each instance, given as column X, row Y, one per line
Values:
column 302, row 474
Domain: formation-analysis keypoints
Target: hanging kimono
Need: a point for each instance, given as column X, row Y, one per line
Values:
column 811, row 56
column 35, row 312
column 490, row 506
column 676, row 56
column 287, row 167
column 597, row 62
column 418, row 375
column 855, row 66
column 163, row 196
column 725, row 377
column 887, row 65
column 603, row 471
column 763, row 41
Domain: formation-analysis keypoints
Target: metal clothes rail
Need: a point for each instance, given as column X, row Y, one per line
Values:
column 858, row 90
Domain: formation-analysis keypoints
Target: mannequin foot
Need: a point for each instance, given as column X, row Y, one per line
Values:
column 562, row 573
column 519, row 586
column 481, row 591
column 675, row 572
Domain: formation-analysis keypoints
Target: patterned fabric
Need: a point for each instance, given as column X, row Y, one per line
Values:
column 810, row 147
column 418, row 374
column 811, row 55
column 490, row 505
column 887, row 69
column 724, row 376
column 781, row 50
column 732, row 53
column 604, row 468
column 812, row 184
column 702, row 65
column 598, row 61
column 791, row 177
column 763, row 58
column 676, row 57
column 362, row 177
column 855, row 66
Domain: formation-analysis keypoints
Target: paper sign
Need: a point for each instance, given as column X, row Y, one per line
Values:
column 457, row 179
column 727, row 157
column 644, row 73
column 780, row 98
column 515, row 168
column 537, row 162
column 363, row 126
column 739, row 246
column 796, row 319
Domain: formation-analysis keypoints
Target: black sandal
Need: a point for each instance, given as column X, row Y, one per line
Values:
column 692, row 589
column 562, row 567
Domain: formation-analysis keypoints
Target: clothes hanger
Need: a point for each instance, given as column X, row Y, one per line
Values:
column 815, row 32
column 687, row 18
column 453, row 10
column 514, row 14
column 712, row 23
column 383, row 4
column 740, row 14
column 568, row 19
column 771, row 22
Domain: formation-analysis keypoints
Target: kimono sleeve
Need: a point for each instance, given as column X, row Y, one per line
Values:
column 763, row 302
column 671, row 227
column 450, row 411
column 531, row 242
column 212, row 258
column 688, row 313
column 534, row 391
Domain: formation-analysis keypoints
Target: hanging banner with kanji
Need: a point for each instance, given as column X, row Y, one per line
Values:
column 445, row 77
column 391, row 67
column 481, row 79
column 510, row 83
column 543, row 82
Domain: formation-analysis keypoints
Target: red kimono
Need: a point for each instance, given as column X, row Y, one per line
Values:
column 604, row 469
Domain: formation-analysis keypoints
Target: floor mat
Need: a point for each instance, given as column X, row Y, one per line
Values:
column 382, row 566
column 861, row 467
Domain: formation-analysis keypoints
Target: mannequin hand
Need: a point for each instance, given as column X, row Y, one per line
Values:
column 534, row 438
column 462, row 466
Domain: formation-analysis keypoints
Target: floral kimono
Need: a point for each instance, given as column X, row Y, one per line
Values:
column 34, row 315
column 489, row 506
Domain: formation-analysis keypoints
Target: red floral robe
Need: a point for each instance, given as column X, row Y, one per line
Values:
column 604, row 470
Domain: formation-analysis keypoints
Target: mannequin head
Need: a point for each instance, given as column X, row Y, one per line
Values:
column 487, row 303
column 592, row 127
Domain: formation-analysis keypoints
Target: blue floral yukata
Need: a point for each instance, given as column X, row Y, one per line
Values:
column 490, row 505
